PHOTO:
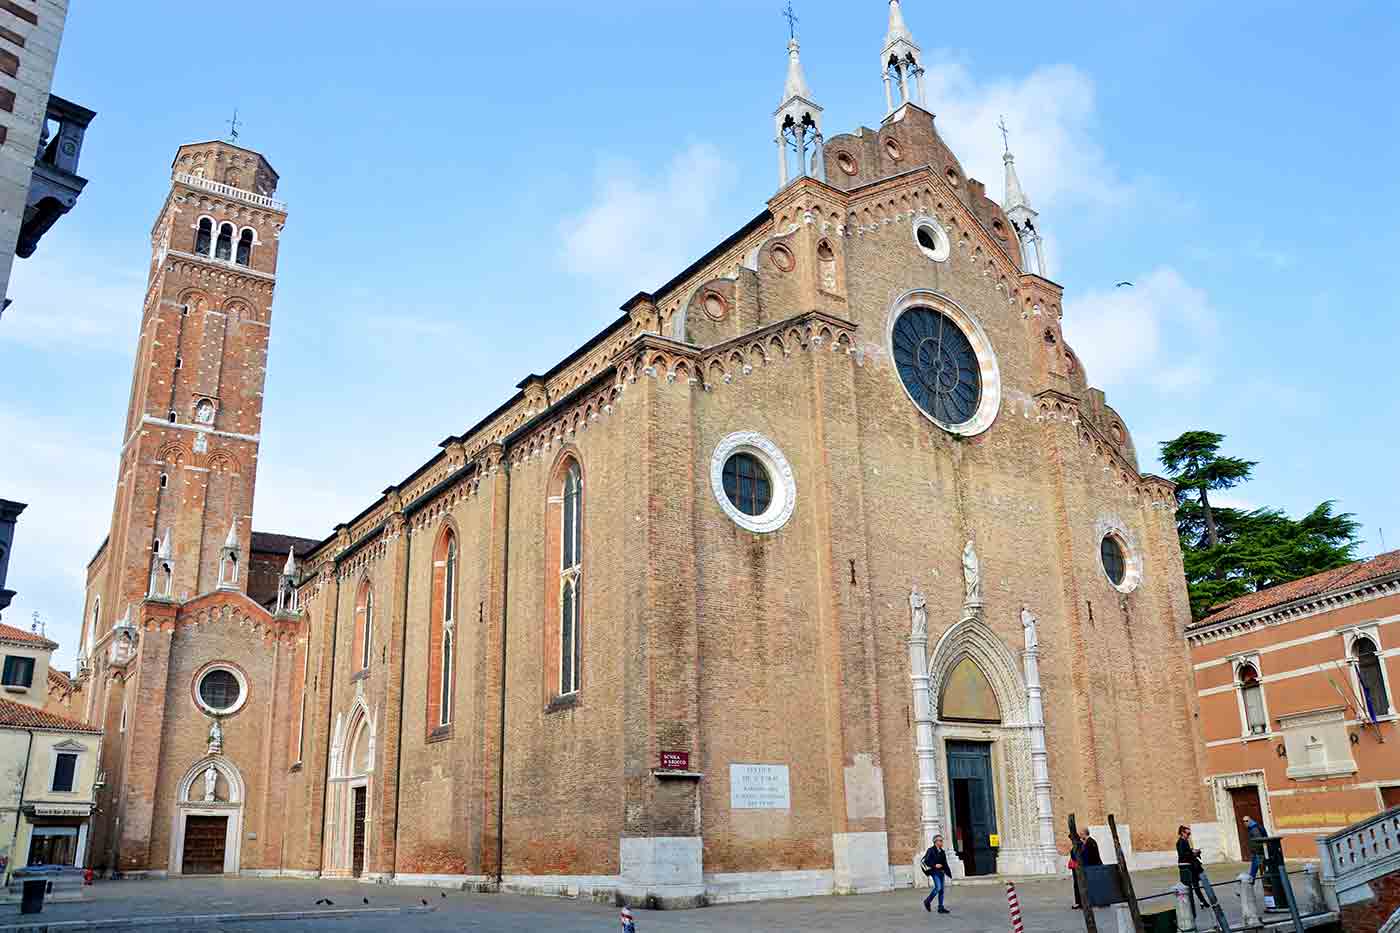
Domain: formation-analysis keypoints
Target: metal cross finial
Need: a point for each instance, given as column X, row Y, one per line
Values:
column 1005, row 141
column 791, row 17
column 233, row 127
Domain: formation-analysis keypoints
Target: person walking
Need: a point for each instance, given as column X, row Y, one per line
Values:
column 1188, row 862
column 1076, row 851
column 1089, row 850
column 935, row 865
column 1256, row 857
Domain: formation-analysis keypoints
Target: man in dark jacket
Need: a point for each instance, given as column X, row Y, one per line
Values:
column 935, row 865
column 1089, row 851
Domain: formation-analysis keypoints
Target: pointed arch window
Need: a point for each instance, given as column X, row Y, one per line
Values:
column 245, row 247
column 570, row 581
column 223, row 246
column 203, row 237
column 442, row 634
column 364, row 625
column 1371, row 677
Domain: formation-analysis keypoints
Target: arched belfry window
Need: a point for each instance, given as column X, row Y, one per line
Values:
column 204, row 236
column 442, row 632
column 967, row 696
column 223, row 247
column 245, row 247
column 1256, row 720
column 1371, row 677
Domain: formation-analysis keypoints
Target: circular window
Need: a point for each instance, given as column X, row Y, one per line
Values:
column 892, row 150
column 945, row 363
column 938, row 365
column 782, row 258
column 952, row 176
column 746, row 484
column 1111, row 553
column 999, row 229
column 221, row 690
column 846, row 162
column 932, row 239
column 753, row 482
column 1117, row 434
column 715, row 306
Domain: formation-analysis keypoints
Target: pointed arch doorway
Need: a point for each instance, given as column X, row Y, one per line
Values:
column 967, row 697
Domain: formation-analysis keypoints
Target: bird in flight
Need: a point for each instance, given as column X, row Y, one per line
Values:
column 1124, row 284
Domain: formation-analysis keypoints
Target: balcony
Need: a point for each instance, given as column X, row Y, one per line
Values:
column 229, row 191
column 55, row 184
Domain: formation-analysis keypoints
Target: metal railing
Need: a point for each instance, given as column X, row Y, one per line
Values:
column 229, row 191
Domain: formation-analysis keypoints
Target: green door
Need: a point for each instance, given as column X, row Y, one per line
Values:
column 973, row 800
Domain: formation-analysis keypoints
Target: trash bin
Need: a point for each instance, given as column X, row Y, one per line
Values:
column 1104, row 885
column 32, row 900
column 1162, row 921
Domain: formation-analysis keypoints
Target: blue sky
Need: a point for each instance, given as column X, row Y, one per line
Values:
column 474, row 188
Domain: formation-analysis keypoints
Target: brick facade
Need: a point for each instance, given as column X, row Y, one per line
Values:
column 787, row 647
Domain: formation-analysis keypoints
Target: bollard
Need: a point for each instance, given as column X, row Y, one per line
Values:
column 1013, row 904
column 628, row 926
column 1185, row 916
column 1249, row 902
column 1310, row 896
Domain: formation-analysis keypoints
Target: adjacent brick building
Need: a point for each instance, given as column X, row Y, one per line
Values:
column 823, row 546
column 1297, row 710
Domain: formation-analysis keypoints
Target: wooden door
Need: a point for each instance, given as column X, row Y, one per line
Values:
column 1390, row 797
column 974, row 804
column 204, row 845
column 357, row 844
column 1246, row 801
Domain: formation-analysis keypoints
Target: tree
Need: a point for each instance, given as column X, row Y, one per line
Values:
column 1194, row 462
column 1229, row 552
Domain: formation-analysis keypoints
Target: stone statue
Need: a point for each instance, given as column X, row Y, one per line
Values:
column 918, row 609
column 216, row 737
column 1028, row 621
column 972, row 576
column 211, row 777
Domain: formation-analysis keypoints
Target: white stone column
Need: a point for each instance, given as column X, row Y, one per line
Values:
column 801, row 137
column 924, row 747
column 1040, row 766
column 904, row 82
column 81, row 853
column 782, row 163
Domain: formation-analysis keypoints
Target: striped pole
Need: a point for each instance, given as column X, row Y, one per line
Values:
column 1013, row 904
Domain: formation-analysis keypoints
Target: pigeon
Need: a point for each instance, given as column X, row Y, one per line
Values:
column 443, row 893
column 365, row 899
column 424, row 900
column 1124, row 285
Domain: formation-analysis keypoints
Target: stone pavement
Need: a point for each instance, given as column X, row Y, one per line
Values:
column 215, row 904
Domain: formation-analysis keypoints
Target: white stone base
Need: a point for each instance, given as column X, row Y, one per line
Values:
column 662, row 871
column 860, row 863
column 739, row 886
column 594, row 887
column 278, row 873
column 456, row 882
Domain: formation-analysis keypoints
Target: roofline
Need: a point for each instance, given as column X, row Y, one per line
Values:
column 225, row 142
column 762, row 217
column 1302, row 605
column 100, row 548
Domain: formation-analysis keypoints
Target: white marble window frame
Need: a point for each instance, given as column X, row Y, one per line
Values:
column 242, row 689
column 990, row 402
column 942, row 246
column 780, row 478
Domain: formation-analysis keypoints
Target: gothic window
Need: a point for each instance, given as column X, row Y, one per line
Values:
column 747, row 484
column 826, row 263
column 172, row 416
column 1372, row 679
column 364, row 625
column 202, row 238
column 442, row 633
column 938, row 365
column 570, row 581
column 245, row 247
column 223, row 247
column 1256, row 721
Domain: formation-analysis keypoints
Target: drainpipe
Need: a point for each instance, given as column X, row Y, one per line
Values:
column 19, row 805
column 505, row 615
column 403, row 665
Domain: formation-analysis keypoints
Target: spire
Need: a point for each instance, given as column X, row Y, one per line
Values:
column 290, row 567
column 799, row 123
column 1018, row 210
column 165, row 544
column 232, row 540
column 228, row 559
column 901, row 59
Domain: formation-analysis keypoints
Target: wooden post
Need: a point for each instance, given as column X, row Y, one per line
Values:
column 1124, row 878
column 1082, row 886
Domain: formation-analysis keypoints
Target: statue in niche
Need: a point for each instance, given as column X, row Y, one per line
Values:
column 1028, row 622
column 918, row 610
column 972, row 576
column 211, row 778
column 216, row 737
column 204, row 412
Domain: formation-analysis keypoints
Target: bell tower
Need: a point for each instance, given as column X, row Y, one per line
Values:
column 190, row 449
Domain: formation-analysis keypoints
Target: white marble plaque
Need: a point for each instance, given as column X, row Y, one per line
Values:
column 759, row 787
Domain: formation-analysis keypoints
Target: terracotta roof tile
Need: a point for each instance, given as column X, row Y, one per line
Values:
column 60, row 679
column 270, row 541
column 19, row 716
column 1329, row 580
column 11, row 634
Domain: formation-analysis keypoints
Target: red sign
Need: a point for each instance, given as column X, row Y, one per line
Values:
column 675, row 761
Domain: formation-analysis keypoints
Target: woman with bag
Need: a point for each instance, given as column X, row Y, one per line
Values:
column 1076, row 850
column 935, row 865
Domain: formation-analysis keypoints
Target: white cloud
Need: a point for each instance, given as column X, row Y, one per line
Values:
column 1160, row 333
column 1050, row 113
column 72, row 295
column 642, row 229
